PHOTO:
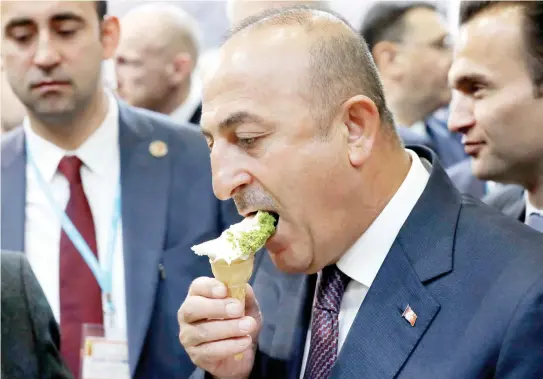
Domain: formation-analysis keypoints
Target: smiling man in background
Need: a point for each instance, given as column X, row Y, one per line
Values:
column 498, row 85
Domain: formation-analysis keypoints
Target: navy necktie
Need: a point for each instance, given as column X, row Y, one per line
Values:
column 323, row 349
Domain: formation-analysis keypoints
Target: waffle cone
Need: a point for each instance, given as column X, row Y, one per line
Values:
column 234, row 276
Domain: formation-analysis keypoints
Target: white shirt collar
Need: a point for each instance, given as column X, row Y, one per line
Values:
column 364, row 259
column 184, row 112
column 419, row 128
column 530, row 208
column 96, row 153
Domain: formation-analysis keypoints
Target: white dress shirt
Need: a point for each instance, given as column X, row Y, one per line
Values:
column 364, row 259
column 530, row 208
column 100, row 176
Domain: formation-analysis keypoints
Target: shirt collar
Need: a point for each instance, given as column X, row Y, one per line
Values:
column 184, row 112
column 96, row 153
column 530, row 208
column 364, row 259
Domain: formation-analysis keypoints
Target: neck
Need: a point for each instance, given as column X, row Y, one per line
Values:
column 535, row 191
column 371, row 202
column 177, row 98
column 72, row 134
column 404, row 109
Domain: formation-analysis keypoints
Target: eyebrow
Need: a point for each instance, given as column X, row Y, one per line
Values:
column 66, row 16
column 235, row 119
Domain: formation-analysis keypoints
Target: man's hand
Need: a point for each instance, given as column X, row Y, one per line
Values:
column 213, row 329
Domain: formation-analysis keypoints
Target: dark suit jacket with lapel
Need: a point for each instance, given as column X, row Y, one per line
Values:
column 196, row 116
column 509, row 200
column 168, row 206
column 462, row 177
column 30, row 336
column 473, row 277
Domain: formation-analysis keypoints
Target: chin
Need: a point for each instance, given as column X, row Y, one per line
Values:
column 286, row 261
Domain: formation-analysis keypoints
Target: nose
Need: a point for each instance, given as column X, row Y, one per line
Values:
column 47, row 56
column 461, row 117
column 227, row 169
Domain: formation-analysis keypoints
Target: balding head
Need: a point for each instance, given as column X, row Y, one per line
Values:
column 237, row 10
column 157, row 53
column 339, row 63
column 292, row 113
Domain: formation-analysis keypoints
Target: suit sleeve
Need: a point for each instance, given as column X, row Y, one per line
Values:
column 521, row 355
column 44, row 327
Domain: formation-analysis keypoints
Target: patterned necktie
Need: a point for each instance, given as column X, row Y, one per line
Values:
column 325, row 326
column 80, row 295
column 535, row 220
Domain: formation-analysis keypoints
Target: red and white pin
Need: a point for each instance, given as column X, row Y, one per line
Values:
column 409, row 315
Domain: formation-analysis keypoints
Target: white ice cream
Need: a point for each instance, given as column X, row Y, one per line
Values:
column 222, row 248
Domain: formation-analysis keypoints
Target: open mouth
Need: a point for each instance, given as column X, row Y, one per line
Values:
column 275, row 215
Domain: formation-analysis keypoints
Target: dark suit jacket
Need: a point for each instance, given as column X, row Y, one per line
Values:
column 473, row 277
column 196, row 116
column 30, row 336
column 168, row 206
column 509, row 200
column 446, row 146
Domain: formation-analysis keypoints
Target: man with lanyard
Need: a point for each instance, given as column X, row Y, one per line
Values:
column 105, row 199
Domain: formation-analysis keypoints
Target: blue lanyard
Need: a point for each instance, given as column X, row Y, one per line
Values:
column 104, row 276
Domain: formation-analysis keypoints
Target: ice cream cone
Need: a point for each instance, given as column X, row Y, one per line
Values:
column 235, row 277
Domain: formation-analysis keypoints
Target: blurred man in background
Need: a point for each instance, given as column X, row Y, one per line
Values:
column 498, row 85
column 411, row 46
column 135, row 185
column 155, row 61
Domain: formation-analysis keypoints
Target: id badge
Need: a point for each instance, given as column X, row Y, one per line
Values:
column 104, row 356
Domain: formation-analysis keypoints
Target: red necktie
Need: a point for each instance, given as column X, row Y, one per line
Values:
column 325, row 326
column 80, row 295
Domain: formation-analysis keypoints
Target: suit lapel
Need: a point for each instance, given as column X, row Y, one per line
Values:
column 13, row 191
column 145, row 182
column 381, row 340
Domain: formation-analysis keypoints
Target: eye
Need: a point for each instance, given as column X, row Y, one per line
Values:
column 247, row 142
column 67, row 33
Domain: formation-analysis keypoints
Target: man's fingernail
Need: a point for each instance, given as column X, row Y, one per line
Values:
column 245, row 325
column 218, row 291
column 233, row 309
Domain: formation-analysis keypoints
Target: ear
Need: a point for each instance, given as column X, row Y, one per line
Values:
column 181, row 68
column 360, row 118
column 386, row 54
column 110, row 33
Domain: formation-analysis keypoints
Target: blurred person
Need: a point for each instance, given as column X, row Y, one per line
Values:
column 133, row 184
column 411, row 46
column 386, row 270
column 30, row 335
column 12, row 110
column 155, row 61
column 498, row 84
